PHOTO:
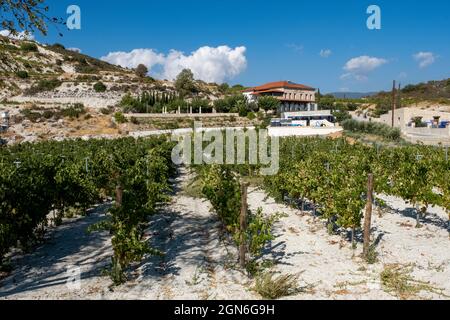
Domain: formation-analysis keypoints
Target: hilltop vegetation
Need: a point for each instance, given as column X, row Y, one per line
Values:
column 430, row 90
column 377, row 104
column 29, row 68
column 37, row 59
column 39, row 82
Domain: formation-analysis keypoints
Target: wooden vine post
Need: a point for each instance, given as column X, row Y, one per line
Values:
column 393, row 105
column 243, row 225
column 119, row 196
column 368, row 216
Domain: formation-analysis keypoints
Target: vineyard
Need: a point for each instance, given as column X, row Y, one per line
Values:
column 238, row 228
column 332, row 176
column 41, row 182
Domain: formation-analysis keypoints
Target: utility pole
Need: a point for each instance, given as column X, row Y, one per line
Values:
column 393, row 104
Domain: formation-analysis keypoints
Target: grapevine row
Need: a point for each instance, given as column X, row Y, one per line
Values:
column 40, row 182
column 332, row 175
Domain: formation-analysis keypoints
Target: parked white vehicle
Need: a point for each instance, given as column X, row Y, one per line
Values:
column 4, row 121
column 314, row 119
column 321, row 123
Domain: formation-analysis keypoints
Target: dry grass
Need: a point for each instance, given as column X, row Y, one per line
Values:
column 372, row 255
column 95, row 126
column 273, row 287
column 396, row 279
column 193, row 188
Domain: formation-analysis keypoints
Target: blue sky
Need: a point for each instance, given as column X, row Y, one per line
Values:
column 282, row 39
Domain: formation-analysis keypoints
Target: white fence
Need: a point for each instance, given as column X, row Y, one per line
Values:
column 180, row 115
column 438, row 132
column 273, row 131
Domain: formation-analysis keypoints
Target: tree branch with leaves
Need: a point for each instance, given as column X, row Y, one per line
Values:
column 26, row 15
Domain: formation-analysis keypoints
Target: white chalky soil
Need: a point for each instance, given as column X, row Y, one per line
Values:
column 199, row 264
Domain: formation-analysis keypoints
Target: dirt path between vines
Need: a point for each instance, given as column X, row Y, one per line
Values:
column 199, row 264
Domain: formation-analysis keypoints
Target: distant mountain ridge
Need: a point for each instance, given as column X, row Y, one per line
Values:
column 352, row 95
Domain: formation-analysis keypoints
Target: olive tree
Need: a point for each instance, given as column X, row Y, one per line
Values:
column 185, row 83
column 268, row 103
column 141, row 71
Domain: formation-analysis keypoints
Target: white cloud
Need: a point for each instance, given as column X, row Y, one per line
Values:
column 74, row 49
column 358, row 68
column 207, row 63
column 358, row 77
column 133, row 58
column 297, row 48
column 23, row 35
column 363, row 64
column 425, row 59
column 325, row 53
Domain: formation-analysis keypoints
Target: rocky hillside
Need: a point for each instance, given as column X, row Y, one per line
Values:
column 30, row 71
column 50, row 91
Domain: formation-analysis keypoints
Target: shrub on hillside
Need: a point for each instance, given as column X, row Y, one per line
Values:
column 99, row 87
column 375, row 128
column 48, row 114
column 73, row 111
column 43, row 85
column 223, row 88
column 30, row 115
column 251, row 116
column 341, row 116
column 58, row 46
column 22, row 74
column 134, row 120
column 120, row 118
column 85, row 68
column 243, row 112
column 28, row 47
column 107, row 111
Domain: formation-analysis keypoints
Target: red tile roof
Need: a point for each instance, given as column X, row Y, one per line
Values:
column 268, row 91
column 279, row 84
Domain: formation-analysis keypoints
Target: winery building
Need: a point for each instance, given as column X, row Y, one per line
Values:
column 293, row 96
